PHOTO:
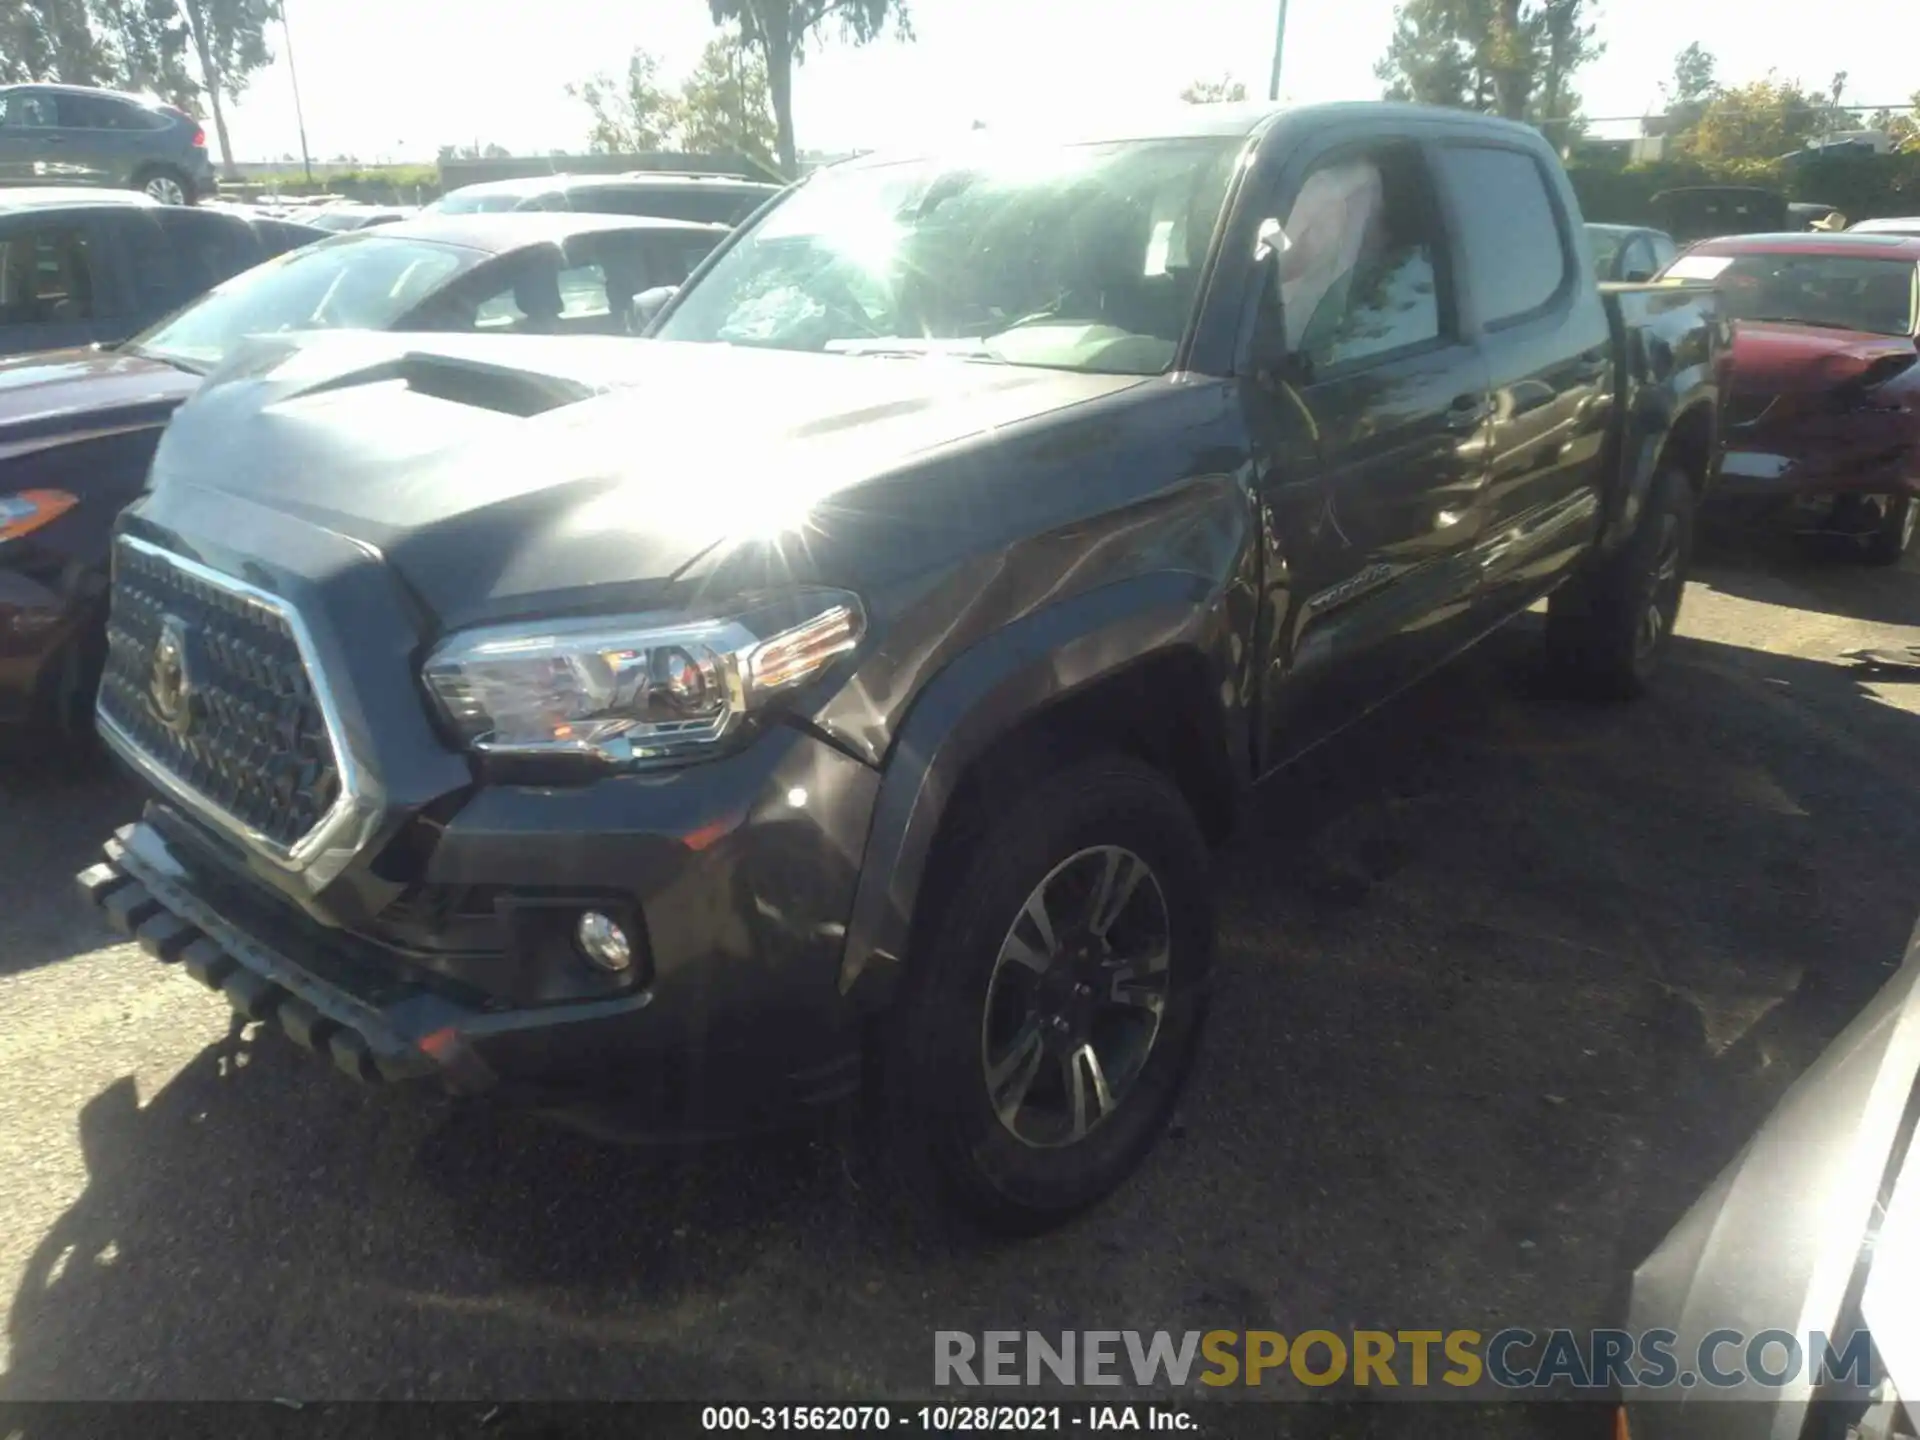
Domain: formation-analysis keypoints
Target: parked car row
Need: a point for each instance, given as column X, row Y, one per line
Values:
column 78, row 427
column 76, row 135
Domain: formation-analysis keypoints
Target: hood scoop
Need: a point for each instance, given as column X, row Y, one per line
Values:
column 462, row 380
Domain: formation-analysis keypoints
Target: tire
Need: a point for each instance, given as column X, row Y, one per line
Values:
column 974, row 1004
column 165, row 184
column 1607, row 631
column 1891, row 540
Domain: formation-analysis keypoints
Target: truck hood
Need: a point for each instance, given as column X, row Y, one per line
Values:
column 498, row 474
column 67, row 395
column 1776, row 359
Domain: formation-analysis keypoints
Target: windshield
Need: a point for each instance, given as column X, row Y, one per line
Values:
column 1839, row 291
column 486, row 203
column 358, row 281
column 1081, row 257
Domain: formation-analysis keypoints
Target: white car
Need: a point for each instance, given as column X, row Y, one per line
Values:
column 1892, row 225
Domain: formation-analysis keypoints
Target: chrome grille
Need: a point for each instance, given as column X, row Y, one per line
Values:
column 207, row 679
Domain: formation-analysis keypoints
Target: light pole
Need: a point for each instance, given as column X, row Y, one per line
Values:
column 1279, row 46
column 299, row 115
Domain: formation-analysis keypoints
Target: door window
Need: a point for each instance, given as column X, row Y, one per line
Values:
column 45, row 277
column 27, row 112
column 95, row 112
column 1359, row 257
column 1515, row 257
column 207, row 248
column 543, row 301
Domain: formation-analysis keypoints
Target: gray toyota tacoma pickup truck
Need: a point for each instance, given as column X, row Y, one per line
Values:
column 849, row 683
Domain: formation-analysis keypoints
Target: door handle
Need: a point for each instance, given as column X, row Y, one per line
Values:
column 1467, row 411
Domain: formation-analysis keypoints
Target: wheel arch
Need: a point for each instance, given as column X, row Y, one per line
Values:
column 1146, row 666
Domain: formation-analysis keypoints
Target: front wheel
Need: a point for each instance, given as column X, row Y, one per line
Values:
column 1049, row 1022
column 1608, row 630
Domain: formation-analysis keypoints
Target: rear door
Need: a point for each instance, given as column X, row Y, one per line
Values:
column 91, row 148
column 1371, row 440
column 1543, row 331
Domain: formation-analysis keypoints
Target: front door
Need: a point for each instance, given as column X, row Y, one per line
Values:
column 1372, row 440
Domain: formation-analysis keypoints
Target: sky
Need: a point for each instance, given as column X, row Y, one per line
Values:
column 394, row 81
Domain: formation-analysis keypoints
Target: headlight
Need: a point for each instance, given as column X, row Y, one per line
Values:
column 27, row 510
column 638, row 689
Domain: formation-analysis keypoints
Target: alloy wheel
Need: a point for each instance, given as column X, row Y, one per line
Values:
column 166, row 190
column 1663, row 593
column 1076, row 997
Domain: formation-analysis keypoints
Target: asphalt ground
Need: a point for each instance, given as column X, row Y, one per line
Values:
column 1504, row 980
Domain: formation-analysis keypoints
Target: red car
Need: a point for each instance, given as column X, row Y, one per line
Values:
column 1822, row 422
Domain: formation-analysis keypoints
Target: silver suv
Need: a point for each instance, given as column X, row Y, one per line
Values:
column 71, row 135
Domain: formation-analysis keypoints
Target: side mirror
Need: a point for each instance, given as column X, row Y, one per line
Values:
column 1638, row 276
column 648, row 304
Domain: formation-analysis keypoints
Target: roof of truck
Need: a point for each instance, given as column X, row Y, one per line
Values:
column 1196, row 122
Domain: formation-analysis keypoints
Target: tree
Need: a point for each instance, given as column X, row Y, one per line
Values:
column 148, row 42
column 1759, row 121
column 51, row 40
column 230, row 42
column 782, row 29
column 630, row 115
column 1515, row 58
column 1903, row 130
column 724, row 107
column 1430, row 59
column 1564, row 44
column 1225, row 90
column 1687, row 94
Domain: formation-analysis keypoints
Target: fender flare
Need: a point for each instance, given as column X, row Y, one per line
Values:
column 984, row 694
column 1638, row 469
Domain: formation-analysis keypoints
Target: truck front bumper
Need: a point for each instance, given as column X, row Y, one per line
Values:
column 733, row 1016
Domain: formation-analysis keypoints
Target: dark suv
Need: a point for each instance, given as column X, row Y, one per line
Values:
column 659, row 732
column 70, row 135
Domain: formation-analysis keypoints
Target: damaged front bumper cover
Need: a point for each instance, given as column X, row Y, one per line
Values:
column 137, row 888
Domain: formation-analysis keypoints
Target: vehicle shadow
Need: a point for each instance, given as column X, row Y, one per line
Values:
column 1825, row 577
column 55, row 810
column 1503, row 981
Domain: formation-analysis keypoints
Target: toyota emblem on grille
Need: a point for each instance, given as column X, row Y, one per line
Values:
column 171, row 687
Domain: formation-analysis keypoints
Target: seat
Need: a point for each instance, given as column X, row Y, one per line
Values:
column 536, row 295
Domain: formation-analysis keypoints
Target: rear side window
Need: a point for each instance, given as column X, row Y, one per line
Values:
column 97, row 112
column 207, row 248
column 1514, row 256
column 46, row 276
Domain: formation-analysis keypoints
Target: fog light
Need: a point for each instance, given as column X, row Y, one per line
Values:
column 603, row 942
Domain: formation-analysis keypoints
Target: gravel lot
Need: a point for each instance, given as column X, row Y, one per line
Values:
column 1505, row 980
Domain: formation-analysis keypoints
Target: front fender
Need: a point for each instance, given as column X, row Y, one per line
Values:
column 1013, row 675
